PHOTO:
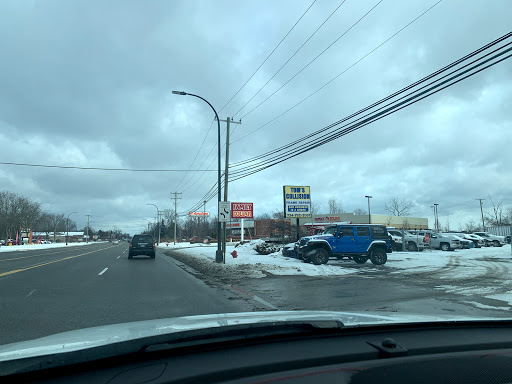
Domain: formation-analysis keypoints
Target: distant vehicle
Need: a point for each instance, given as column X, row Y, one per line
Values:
column 115, row 242
column 496, row 241
column 507, row 239
column 413, row 242
column 440, row 241
column 358, row 242
column 477, row 240
column 142, row 245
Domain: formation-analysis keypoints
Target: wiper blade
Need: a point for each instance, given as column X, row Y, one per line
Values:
column 244, row 332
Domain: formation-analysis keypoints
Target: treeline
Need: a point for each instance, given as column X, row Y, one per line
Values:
column 19, row 213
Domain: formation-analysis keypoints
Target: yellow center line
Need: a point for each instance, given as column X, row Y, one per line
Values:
column 50, row 262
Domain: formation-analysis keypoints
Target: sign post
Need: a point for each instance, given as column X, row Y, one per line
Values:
column 297, row 203
column 242, row 211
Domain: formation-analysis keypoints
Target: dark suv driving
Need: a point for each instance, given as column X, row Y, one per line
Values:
column 142, row 245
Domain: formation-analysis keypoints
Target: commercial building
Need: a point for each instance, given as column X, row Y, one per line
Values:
column 389, row 221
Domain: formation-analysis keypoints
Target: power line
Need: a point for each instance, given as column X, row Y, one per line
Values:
column 244, row 84
column 377, row 116
column 314, row 59
column 338, row 75
column 270, row 54
column 291, row 57
column 383, row 100
column 103, row 169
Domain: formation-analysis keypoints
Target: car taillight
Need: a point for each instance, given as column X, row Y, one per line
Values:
column 154, row 245
column 130, row 245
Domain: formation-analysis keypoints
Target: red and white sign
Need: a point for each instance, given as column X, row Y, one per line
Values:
column 427, row 238
column 242, row 210
column 199, row 213
column 327, row 218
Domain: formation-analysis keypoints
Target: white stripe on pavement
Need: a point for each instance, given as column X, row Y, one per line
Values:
column 118, row 257
column 102, row 272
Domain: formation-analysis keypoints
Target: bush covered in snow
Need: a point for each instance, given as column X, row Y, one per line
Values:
column 267, row 248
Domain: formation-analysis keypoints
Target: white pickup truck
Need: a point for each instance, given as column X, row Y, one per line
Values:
column 496, row 241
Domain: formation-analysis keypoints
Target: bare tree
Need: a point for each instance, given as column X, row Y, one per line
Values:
column 399, row 207
column 335, row 206
column 315, row 207
column 360, row 211
column 496, row 216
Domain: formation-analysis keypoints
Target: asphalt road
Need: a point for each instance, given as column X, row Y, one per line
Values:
column 44, row 292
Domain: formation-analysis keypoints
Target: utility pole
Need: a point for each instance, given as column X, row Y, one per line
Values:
column 482, row 212
column 88, row 217
column 369, row 214
column 228, row 121
column 204, row 217
column 436, row 217
column 176, row 198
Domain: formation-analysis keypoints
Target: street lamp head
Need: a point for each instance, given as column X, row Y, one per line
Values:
column 179, row 92
column 368, row 197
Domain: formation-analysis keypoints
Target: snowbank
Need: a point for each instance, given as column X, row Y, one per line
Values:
column 31, row 247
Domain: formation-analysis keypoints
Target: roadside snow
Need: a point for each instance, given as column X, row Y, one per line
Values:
column 29, row 247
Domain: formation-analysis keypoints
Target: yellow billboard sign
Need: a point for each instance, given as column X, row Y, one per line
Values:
column 297, row 201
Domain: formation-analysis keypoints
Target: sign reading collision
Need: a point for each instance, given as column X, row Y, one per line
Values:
column 242, row 210
column 297, row 201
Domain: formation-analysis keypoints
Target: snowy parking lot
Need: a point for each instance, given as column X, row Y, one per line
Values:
column 480, row 277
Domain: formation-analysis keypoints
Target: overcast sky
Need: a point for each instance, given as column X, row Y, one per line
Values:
column 88, row 83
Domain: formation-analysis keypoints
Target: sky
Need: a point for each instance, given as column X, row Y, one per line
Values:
column 88, row 84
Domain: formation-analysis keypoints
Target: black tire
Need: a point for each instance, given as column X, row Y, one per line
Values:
column 445, row 247
column 360, row 259
column 130, row 255
column 320, row 256
column 152, row 255
column 496, row 243
column 378, row 256
column 412, row 247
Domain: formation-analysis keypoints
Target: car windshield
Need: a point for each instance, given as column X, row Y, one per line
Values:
column 163, row 159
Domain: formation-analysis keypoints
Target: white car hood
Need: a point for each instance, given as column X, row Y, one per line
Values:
column 115, row 333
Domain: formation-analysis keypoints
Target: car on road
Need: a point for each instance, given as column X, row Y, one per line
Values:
column 115, row 242
column 142, row 245
column 494, row 240
column 358, row 242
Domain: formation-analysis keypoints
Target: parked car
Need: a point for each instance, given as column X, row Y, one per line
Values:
column 496, row 241
column 396, row 241
column 289, row 251
column 507, row 239
column 441, row 241
column 115, row 242
column 142, row 245
column 358, row 242
column 413, row 242
column 477, row 240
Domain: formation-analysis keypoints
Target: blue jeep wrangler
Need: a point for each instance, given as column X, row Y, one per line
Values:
column 358, row 242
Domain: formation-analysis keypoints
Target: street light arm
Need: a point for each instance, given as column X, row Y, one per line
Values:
column 199, row 97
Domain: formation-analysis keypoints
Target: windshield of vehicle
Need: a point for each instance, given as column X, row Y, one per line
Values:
column 164, row 159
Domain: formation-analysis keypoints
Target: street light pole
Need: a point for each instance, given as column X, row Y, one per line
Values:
column 218, row 255
column 369, row 214
column 67, row 227
column 437, row 217
column 158, row 218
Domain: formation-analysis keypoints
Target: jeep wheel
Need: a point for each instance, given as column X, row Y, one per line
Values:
column 379, row 256
column 445, row 247
column 412, row 247
column 360, row 259
column 321, row 256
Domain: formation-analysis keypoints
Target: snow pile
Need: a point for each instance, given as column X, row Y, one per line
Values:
column 38, row 247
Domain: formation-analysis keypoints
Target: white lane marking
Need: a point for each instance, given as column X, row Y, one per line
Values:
column 264, row 302
column 119, row 256
column 31, row 292
column 102, row 272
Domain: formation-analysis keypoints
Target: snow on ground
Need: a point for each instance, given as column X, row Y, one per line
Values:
column 31, row 247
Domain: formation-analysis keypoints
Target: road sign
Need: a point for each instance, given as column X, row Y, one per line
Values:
column 297, row 201
column 199, row 213
column 224, row 211
column 242, row 210
column 427, row 238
